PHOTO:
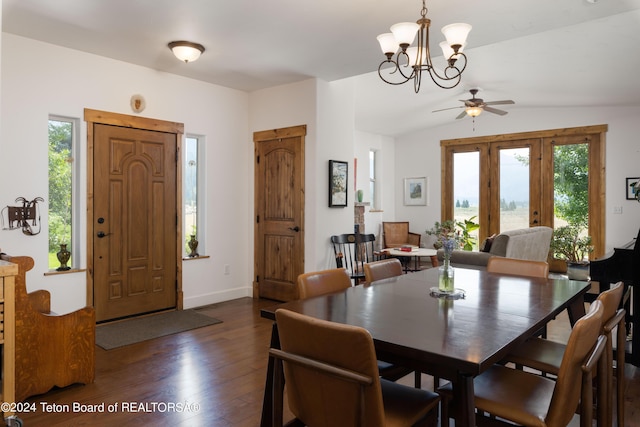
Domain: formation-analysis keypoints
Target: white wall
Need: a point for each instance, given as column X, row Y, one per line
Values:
column 385, row 157
column 39, row 79
column 418, row 154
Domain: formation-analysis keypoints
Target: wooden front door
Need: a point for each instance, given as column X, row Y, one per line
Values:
column 134, row 221
column 279, row 196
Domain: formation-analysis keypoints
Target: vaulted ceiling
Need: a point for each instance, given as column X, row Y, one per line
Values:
column 542, row 53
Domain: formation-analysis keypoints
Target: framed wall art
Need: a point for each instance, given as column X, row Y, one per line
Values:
column 631, row 189
column 416, row 191
column 338, row 181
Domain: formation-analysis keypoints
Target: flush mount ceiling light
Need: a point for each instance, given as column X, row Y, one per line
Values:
column 410, row 62
column 186, row 51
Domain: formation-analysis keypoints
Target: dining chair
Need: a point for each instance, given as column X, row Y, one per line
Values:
column 352, row 251
column 335, row 280
column 531, row 400
column 546, row 356
column 323, row 282
column 518, row 267
column 332, row 378
column 382, row 269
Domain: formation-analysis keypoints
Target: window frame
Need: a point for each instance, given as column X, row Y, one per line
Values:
column 373, row 179
column 200, row 195
column 75, row 240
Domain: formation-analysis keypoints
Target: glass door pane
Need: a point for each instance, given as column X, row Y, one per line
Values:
column 514, row 188
column 571, row 185
column 466, row 187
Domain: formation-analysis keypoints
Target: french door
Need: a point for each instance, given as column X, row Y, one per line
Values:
column 515, row 181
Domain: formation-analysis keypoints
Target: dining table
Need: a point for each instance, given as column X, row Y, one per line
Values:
column 454, row 337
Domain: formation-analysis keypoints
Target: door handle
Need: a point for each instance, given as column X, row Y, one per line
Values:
column 101, row 234
column 296, row 228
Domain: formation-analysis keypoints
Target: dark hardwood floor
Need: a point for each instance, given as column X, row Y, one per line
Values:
column 218, row 372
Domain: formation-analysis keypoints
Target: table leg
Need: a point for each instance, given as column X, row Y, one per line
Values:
column 463, row 393
column 576, row 310
column 268, row 400
column 434, row 260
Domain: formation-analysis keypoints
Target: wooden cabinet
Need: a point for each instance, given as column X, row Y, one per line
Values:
column 7, row 332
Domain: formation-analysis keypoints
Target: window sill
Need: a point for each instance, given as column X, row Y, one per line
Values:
column 195, row 257
column 72, row 270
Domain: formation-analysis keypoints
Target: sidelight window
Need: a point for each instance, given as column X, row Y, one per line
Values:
column 63, row 173
column 192, row 209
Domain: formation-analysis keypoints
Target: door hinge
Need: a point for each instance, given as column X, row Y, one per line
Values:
column 257, row 279
column 257, row 159
column 258, row 219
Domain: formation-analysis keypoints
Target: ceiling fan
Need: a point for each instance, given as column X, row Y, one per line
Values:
column 474, row 106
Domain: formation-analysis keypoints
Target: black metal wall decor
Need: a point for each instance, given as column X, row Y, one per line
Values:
column 26, row 217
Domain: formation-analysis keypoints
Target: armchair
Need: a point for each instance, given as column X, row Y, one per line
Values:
column 396, row 234
column 51, row 350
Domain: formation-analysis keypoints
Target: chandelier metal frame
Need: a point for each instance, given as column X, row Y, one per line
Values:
column 406, row 66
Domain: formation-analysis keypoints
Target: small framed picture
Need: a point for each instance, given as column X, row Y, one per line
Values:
column 632, row 188
column 416, row 191
column 338, row 181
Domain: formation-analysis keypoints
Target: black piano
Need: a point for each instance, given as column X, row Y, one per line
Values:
column 623, row 264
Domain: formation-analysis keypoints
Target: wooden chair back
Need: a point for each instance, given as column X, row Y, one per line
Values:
column 569, row 384
column 335, row 382
column 396, row 234
column 383, row 269
column 518, row 267
column 323, row 282
column 51, row 350
column 352, row 251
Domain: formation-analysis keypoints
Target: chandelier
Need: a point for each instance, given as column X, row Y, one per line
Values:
column 411, row 61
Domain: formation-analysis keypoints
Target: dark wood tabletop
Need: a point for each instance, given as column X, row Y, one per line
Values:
column 452, row 339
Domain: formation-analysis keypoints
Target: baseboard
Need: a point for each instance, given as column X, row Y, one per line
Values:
column 215, row 297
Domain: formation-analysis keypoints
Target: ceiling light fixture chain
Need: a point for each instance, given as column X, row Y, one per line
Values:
column 411, row 61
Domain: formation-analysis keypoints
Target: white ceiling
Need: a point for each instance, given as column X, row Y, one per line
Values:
column 540, row 53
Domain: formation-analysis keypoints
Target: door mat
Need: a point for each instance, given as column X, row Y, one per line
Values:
column 131, row 331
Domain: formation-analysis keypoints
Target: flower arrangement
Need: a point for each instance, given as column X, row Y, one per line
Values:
column 447, row 237
column 452, row 234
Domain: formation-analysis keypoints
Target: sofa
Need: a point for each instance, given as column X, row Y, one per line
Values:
column 525, row 243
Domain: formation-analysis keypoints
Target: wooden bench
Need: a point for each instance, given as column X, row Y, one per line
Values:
column 50, row 350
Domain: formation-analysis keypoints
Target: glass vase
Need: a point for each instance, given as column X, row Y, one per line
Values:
column 446, row 277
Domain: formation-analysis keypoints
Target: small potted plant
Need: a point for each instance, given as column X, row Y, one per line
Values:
column 567, row 244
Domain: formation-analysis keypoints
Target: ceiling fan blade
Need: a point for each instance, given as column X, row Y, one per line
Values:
column 445, row 109
column 461, row 115
column 506, row 101
column 495, row 111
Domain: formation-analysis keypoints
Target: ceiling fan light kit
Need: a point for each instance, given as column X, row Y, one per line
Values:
column 475, row 106
column 406, row 63
column 473, row 111
column 186, row 51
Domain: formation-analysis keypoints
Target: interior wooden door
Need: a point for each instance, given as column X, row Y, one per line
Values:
column 134, row 221
column 279, row 196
